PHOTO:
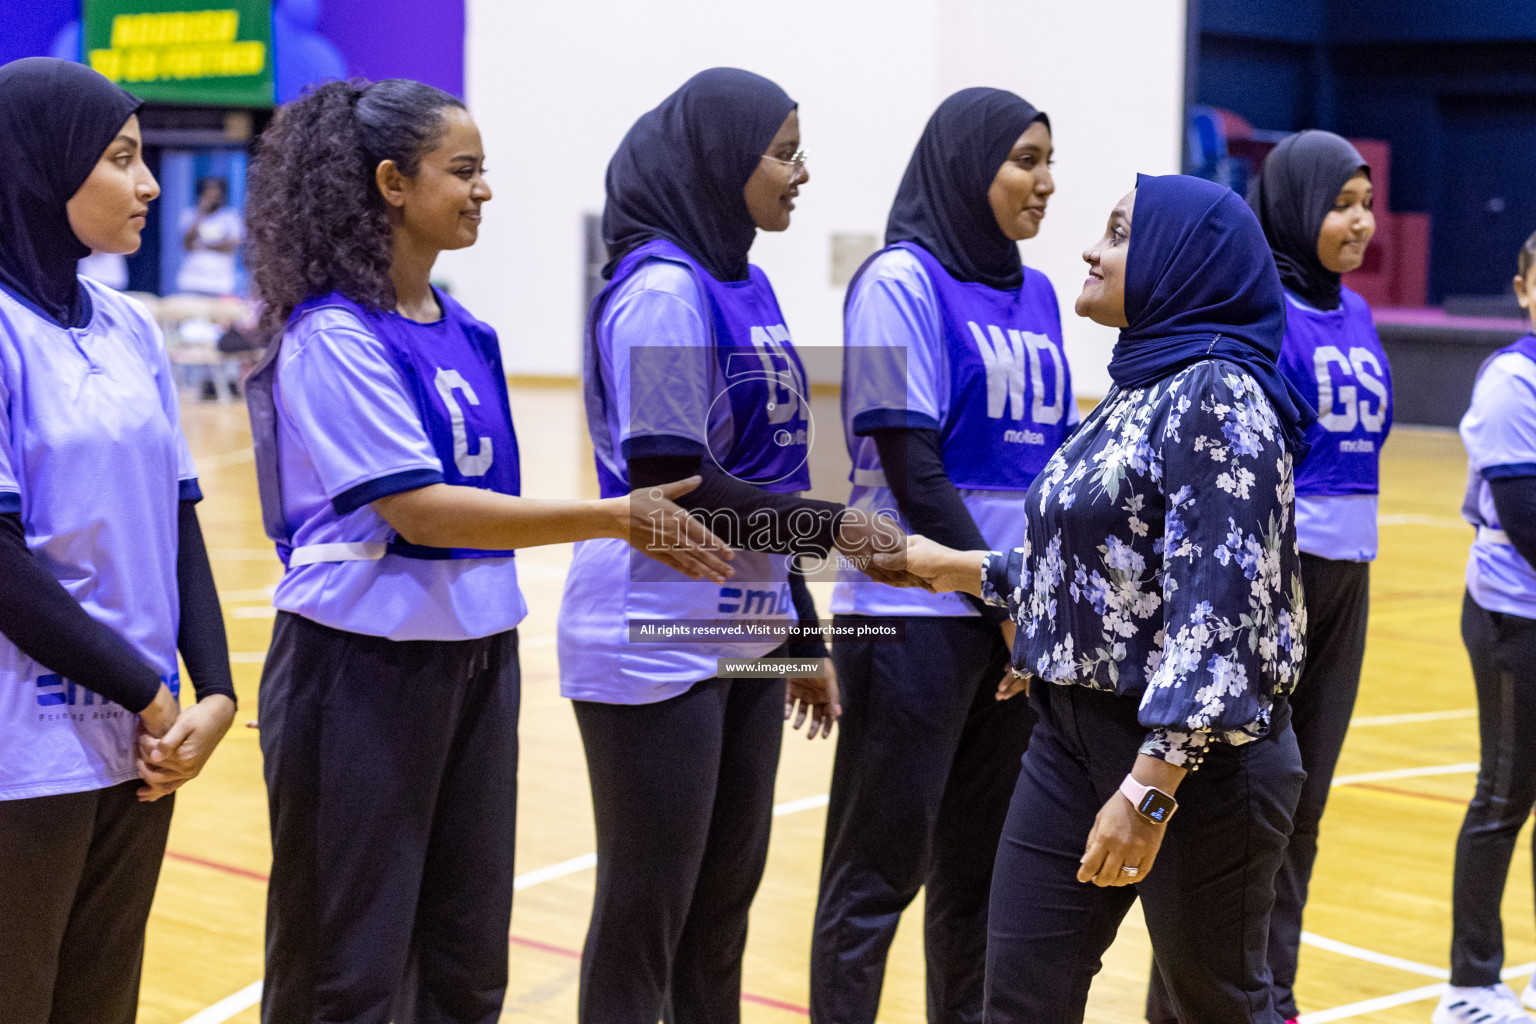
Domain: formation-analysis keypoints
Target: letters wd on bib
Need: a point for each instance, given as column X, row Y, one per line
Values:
column 982, row 366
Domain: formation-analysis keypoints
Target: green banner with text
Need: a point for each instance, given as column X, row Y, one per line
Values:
column 184, row 51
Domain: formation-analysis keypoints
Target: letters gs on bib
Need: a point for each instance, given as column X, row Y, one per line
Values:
column 1340, row 406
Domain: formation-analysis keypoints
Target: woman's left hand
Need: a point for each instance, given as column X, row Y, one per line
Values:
column 1120, row 839
column 167, row 763
column 816, row 696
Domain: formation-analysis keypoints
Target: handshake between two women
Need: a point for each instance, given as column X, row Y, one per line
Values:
column 698, row 541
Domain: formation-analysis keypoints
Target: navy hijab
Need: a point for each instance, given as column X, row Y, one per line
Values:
column 1200, row 284
column 56, row 119
column 942, row 202
column 1302, row 177
column 680, row 171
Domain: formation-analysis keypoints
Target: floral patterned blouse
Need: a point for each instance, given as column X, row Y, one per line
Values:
column 1160, row 561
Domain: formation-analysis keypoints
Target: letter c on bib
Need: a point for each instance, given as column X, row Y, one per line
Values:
column 469, row 465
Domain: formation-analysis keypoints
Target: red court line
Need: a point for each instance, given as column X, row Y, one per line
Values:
column 228, row 869
column 575, row 954
column 547, row 947
column 1458, row 801
column 516, row 940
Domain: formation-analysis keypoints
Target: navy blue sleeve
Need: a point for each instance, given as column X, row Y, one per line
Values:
column 805, row 612
column 354, row 498
column 1514, row 499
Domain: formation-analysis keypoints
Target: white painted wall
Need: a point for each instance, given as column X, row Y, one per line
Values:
column 554, row 86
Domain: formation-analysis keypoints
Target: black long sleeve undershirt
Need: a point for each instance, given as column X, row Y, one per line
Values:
column 914, row 471
column 727, row 506
column 200, row 636
column 1514, row 499
column 48, row 625
column 805, row 612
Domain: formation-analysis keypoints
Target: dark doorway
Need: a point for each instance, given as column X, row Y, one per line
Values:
column 1488, row 205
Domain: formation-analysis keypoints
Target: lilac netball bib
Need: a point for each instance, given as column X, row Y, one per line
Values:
column 1009, row 385
column 452, row 376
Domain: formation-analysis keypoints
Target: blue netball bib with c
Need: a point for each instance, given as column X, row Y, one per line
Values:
column 451, row 372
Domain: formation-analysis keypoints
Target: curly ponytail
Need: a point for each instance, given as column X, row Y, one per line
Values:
column 316, row 221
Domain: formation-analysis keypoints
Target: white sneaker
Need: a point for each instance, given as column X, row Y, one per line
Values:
column 1490, row 1004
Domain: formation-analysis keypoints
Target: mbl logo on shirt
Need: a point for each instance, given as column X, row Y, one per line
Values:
column 1006, row 354
column 754, row 602
column 55, row 691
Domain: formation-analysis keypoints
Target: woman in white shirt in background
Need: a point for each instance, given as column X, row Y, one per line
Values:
column 212, row 234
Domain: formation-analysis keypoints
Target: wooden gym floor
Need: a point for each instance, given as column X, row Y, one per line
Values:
column 1379, row 920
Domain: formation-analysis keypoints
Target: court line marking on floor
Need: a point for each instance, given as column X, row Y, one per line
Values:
column 1438, row 798
column 1412, row 995
column 1415, row 519
column 249, row 996
column 1408, row 718
column 1370, row 956
column 266, row 554
column 228, row 1006
column 803, row 804
column 1365, row 1006
column 549, row 873
column 224, row 460
column 1405, row 773
column 252, row 594
column 233, row 1004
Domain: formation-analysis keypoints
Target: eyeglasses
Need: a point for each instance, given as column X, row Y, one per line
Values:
column 796, row 164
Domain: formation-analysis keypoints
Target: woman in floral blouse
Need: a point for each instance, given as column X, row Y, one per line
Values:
column 1159, row 574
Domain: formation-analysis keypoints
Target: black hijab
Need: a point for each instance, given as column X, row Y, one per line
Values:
column 1302, row 177
column 680, row 171
column 56, row 118
column 942, row 202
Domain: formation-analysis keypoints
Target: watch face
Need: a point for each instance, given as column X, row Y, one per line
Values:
column 1157, row 806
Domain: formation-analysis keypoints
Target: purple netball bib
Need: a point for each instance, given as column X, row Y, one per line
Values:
column 1335, row 358
column 451, row 370
column 1009, row 385
column 745, row 400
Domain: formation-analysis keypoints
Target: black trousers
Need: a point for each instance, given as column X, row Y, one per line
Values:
column 1502, row 648
column 1206, row 899
column 391, row 771
column 927, row 758
column 77, row 876
column 1338, row 600
column 682, row 794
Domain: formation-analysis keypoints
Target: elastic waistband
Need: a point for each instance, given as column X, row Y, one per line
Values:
column 869, row 478
column 1492, row 536
column 373, row 550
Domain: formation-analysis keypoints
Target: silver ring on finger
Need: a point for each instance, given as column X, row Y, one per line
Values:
column 1127, row 869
